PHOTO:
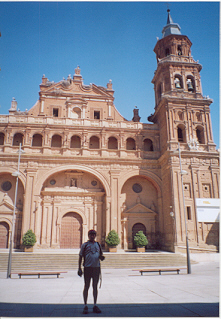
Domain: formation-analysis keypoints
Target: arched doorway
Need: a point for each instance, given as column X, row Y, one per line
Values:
column 137, row 227
column 4, row 233
column 71, row 231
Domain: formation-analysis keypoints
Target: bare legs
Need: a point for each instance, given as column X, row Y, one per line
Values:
column 87, row 280
column 86, row 288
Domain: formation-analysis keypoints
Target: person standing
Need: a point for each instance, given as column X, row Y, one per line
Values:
column 92, row 253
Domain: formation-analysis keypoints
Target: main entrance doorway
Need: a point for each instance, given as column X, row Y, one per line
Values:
column 71, row 231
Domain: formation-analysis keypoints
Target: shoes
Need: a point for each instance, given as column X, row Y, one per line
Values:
column 85, row 311
column 96, row 309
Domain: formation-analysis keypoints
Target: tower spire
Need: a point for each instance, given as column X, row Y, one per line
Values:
column 171, row 27
column 169, row 19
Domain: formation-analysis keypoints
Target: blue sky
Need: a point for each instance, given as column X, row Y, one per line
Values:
column 108, row 40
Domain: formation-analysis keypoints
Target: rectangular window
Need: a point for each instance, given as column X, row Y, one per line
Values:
column 188, row 211
column 55, row 112
column 180, row 134
column 97, row 115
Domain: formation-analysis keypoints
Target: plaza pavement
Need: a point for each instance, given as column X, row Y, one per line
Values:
column 124, row 293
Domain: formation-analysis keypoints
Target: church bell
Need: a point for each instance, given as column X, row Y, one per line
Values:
column 189, row 85
column 177, row 83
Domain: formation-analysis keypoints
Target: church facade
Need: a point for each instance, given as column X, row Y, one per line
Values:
column 85, row 166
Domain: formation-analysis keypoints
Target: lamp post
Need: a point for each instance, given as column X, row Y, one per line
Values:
column 16, row 174
column 182, row 172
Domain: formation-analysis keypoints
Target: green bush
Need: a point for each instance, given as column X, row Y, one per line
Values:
column 112, row 239
column 29, row 238
column 140, row 239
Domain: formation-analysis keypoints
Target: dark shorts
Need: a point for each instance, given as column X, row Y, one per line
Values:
column 91, row 272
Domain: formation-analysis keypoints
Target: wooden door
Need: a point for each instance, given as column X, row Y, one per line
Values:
column 4, row 233
column 71, row 231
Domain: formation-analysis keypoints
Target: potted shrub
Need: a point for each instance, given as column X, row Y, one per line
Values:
column 28, row 241
column 140, row 241
column 112, row 240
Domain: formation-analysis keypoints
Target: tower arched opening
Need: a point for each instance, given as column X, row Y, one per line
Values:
column 18, row 139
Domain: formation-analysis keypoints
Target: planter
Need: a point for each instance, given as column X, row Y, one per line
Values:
column 29, row 249
column 112, row 249
column 141, row 249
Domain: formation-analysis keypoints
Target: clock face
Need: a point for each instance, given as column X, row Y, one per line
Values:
column 137, row 188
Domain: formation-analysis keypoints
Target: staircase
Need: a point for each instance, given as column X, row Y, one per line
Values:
column 69, row 261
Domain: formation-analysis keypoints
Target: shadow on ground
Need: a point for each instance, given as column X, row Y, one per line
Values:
column 111, row 310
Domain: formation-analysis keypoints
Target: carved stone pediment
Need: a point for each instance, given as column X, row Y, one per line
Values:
column 140, row 208
column 6, row 207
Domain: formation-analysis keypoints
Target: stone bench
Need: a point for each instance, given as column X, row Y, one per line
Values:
column 38, row 273
column 160, row 270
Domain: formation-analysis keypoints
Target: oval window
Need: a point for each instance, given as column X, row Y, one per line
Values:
column 137, row 188
column 6, row 186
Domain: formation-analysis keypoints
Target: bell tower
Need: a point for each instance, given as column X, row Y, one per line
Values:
column 182, row 114
column 181, row 111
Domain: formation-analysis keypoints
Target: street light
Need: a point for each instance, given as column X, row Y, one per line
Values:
column 182, row 172
column 16, row 174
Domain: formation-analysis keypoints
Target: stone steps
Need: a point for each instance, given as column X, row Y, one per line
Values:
column 55, row 261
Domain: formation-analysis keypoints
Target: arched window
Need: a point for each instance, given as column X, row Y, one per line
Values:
column 2, row 138
column 148, row 145
column 75, row 142
column 200, row 134
column 94, row 142
column 37, row 140
column 130, row 144
column 181, row 134
column 178, row 81
column 112, row 143
column 190, row 84
column 167, row 51
column 18, row 139
column 56, row 141
column 179, row 50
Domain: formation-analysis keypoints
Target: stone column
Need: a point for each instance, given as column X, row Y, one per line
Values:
column 99, row 220
column 38, row 215
column 95, row 215
column 115, row 217
column 45, row 227
column 46, row 141
column 49, row 225
column 85, row 233
column 108, row 212
column 54, row 230
column 215, row 180
column 125, row 232
column 194, row 169
column 28, row 213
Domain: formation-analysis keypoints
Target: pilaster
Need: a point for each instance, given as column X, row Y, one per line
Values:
column 115, row 220
column 28, row 218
